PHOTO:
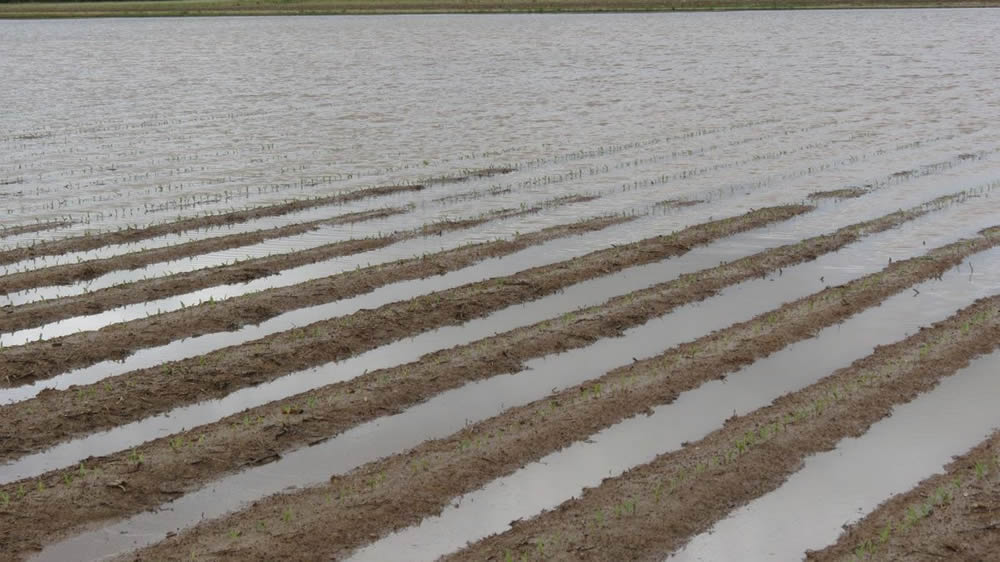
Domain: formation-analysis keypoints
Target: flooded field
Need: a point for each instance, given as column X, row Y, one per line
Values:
column 602, row 287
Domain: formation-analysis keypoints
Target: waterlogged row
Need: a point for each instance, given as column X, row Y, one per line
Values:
column 410, row 428
column 683, row 491
column 393, row 227
column 974, row 215
column 908, row 241
column 686, row 176
column 851, row 480
column 267, row 151
column 492, row 296
column 563, row 475
column 920, row 187
column 83, row 287
column 428, row 171
column 957, row 503
column 524, row 189
column 639, row 305
column 266, row 167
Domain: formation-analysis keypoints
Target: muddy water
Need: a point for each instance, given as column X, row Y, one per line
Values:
column 841, row 486
column 561, row 475
column 524, row 87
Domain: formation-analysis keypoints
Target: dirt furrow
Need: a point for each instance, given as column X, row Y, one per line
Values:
column 190, row 459
column 124, row 236
column 54, row 415
column 954, row 515
column 41, row 312
column 655, row 508
column 29, row 228
column 84, row 271
column 845, row 193
column 470, row 174
column 398, row 491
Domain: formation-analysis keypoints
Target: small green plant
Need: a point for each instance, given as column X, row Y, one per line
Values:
column 136, row 457
column 883, row 535
column 864, row 549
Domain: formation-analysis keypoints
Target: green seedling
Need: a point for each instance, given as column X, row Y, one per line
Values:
column 657, row 492
column 864, row 549
column 883, row 535
column 136, row 457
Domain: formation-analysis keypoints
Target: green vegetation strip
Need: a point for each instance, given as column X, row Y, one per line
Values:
column 131, row 235
column 654, row 508
column 54, row 415
column 318, row 7
column 954, row 515
column 199, row 455
column 39, row 313
column 399, row 491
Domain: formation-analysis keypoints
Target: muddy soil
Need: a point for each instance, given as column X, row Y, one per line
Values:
column 655, row 508
column 224, row 446
column 75, row 272
column 124, row 236
column 56, row 415
column 846, row 193
column 422, row 481
column 470, row 174
column 950, row 516
column 677, row 203
column 28, row 228
column 39, row 313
